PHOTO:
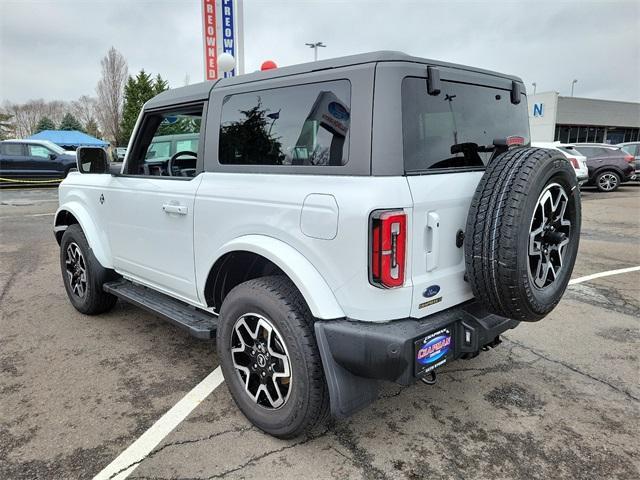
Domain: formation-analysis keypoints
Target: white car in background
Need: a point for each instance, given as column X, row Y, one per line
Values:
column 577, row 160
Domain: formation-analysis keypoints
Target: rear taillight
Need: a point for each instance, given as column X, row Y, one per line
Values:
column 388, row 246
column 574, row 162
column 629, row 158
column 515, row 141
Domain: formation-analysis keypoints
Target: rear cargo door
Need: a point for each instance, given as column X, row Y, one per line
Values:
column 447, row 141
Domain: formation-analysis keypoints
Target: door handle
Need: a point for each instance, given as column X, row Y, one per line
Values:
column 174, row 208
column 433, row 240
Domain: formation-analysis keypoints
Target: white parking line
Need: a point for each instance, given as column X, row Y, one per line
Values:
column 129, row 460
column 602, row 274
column 30, row 215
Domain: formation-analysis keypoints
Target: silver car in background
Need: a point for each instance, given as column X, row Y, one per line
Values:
column 577, row 160
column 633, row 148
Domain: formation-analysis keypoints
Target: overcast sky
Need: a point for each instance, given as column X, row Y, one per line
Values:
column 52, row 49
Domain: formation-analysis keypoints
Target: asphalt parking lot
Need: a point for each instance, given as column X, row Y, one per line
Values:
column 558, row 399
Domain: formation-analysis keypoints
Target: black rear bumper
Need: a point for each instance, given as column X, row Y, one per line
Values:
column 356, row 355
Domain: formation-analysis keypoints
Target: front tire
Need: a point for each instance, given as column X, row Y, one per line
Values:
column 82, row 274
column 269, row 357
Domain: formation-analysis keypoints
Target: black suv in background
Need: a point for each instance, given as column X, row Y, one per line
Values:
column 608, row 165
column 34, row 159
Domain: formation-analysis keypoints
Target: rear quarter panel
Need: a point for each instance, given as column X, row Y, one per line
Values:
column 231, row 205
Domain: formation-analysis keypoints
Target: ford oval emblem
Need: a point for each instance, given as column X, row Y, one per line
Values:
column 431, row 291
column 338, row 111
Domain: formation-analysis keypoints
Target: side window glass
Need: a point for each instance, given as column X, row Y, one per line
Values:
column 39, row 151
column 158, row 150
column 305, row 125
column 12, row 149
column 168, row 144
column 187, row 144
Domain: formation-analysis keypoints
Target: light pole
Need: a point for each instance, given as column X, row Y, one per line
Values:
column 573, row 82
column 534, row 87
column 315, row 49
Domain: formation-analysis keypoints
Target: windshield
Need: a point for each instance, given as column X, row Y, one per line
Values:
column 52, row 146
column 457, row 127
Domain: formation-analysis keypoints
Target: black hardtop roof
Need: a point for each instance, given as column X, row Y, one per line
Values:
column 201, row 91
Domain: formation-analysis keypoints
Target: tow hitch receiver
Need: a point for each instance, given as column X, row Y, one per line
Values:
column 430, row 379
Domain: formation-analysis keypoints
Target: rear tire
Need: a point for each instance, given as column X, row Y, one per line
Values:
column 82, row 274
column 522, row 233
column 608, row 181
column 292, row 396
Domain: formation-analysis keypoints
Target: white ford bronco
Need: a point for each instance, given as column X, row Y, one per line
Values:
column 333, row 225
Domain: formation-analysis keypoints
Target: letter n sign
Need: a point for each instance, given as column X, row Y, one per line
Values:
column 538, row 109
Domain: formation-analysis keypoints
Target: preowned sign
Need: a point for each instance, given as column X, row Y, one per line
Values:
column 210, row 40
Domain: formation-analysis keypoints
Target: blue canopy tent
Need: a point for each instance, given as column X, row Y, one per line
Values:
column 69, row 139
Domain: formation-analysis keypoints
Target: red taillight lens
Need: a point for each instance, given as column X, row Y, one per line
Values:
column 515, row 141
column 388, row 248
column 574, row 162
column 629, row 158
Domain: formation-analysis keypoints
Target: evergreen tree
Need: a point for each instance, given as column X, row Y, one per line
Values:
column 160, row 85
column 137, row 91
column 92, row 128
column 45, row 123
column 69, row 122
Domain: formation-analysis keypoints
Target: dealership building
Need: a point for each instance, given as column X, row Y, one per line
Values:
column 553, row 117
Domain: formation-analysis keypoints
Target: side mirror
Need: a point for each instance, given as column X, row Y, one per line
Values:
column 52, row 156
column 92, row 160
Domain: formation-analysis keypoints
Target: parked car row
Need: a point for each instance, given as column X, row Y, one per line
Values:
column 601, row 165
column 34, row 159
column 609, row 165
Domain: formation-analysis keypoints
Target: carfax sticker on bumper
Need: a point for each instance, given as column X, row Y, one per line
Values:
column 433, row 350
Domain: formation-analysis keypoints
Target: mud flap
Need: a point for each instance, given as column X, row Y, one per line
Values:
column 348, row 393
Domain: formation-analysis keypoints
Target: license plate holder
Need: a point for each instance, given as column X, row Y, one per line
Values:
column 433, row 350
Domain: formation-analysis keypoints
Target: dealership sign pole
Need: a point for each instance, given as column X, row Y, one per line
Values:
column 222, row 33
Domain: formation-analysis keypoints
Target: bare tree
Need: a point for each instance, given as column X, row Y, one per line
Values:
column 84, row 109
column 55, row 110
column 110, row 92
column 25, row 117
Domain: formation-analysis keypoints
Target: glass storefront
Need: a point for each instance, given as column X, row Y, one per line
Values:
column 580, row 134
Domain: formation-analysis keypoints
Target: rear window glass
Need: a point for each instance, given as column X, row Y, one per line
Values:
column 630, row 149
column 298, row 125
column 595, row 151
column 457, row 127
column 569, row 150
column 13, row 149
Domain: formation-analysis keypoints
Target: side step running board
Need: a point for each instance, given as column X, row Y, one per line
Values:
column 198, row 323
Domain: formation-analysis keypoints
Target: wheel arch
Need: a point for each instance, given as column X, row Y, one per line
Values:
column 607, row 168
column 253, row 256
column 74, row 213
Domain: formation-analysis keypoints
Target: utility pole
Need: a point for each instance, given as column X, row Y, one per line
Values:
column 573, row 82
column 534, row 87
column 315, row 49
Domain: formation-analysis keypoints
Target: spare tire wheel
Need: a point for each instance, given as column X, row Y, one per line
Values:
column 522, row 233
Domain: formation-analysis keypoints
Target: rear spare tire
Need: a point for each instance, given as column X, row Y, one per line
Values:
column 522, row 233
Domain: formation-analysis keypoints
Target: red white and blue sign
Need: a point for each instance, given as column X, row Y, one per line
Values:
column 222, row 33
column 228, row 35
